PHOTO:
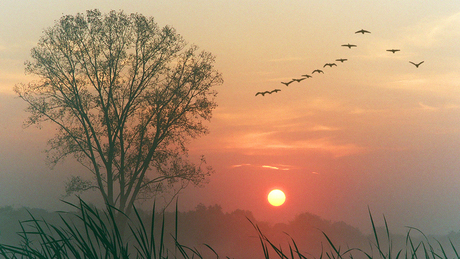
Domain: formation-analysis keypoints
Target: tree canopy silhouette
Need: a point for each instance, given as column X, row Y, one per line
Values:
column 126, row 96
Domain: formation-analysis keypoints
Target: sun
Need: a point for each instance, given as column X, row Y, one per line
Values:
column 276, row 197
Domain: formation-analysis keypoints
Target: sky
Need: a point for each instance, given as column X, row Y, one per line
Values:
column 372, row 133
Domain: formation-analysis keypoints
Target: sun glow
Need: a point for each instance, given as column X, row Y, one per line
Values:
column 276, row 197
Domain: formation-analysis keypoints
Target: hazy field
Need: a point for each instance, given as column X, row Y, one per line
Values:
column 206, row 232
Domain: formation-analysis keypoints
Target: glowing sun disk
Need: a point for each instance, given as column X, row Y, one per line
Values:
column 276, row 197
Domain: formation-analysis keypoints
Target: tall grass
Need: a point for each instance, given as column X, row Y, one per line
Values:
column 89, row 233
column 92, row 233
column 379, row 247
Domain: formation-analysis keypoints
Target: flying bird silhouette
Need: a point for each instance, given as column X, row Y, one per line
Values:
column 317, row 71
column 393, row 50
column 363, row 31
column 262, row 93
column 307, row 76
column 341, row 59
column 349, row 45
column 300, row 79
column 268, row 92
column 287, row 83
column 330, row 64
column 416, row 64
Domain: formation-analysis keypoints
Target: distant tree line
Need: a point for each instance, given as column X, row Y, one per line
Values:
column 231, row 234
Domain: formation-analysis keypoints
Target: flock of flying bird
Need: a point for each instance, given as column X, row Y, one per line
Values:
column 348, row 45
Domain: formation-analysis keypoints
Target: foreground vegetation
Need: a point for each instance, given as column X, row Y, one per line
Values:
column 93, row 233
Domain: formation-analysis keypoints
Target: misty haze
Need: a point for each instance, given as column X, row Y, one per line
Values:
column 174, row 129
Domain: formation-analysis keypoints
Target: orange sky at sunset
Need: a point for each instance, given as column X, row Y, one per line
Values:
column 373, row 131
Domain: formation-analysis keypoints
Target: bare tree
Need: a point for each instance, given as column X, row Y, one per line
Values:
column 127, row 96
